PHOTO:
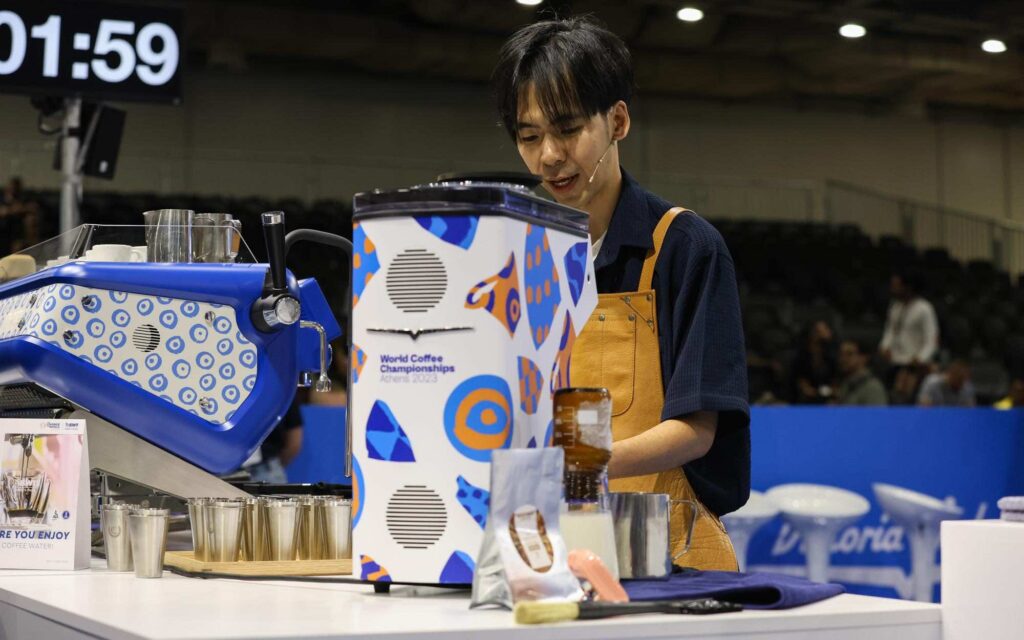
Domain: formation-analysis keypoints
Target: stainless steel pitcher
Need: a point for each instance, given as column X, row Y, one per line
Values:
column 169, row 235
column 642, row 540
column 215, row 237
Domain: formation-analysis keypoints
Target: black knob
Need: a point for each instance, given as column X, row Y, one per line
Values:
column 273, row 233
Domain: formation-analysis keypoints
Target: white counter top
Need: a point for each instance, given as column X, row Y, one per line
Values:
column 117, row 605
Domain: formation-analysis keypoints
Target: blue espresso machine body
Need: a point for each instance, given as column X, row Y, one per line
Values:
column 166, row 351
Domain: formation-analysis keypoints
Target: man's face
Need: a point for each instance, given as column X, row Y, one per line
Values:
column 567, row 152
column 957, row 375
column 897, row 288
column 850, row 358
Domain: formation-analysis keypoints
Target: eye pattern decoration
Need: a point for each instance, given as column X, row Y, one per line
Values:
column 158, row 344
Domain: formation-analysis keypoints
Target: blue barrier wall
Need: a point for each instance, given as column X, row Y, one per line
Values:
column 324, row 442
column 974, row 455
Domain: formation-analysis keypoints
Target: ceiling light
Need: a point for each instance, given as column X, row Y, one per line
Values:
column 690, row 14
column 530, row 3
column 993, row 45
column 852, row 30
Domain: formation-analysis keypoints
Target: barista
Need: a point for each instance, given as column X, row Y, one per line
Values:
column 666, row 337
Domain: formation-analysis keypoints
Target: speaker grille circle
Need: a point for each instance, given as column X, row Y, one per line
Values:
column 146, row 338
column 416, row 516
column 416, row 280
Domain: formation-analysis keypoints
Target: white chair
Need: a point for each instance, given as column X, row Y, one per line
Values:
column 742, row 523
column 920, row 516
column 818, row 512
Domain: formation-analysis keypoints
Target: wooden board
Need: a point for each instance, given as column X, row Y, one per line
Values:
column 185, row 561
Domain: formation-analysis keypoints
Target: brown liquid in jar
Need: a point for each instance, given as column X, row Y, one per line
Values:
column 585, row 464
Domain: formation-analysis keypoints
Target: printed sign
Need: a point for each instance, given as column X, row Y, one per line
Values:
column 44, row 486
column 971, row 457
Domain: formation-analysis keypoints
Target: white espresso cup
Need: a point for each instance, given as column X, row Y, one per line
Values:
column 112, row 253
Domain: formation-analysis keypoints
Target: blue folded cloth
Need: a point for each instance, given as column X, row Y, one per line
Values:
column 752, row 590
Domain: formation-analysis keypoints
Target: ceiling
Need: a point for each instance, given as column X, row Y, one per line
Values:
column 917, row 57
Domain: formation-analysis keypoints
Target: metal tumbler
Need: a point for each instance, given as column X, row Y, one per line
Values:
column 336, row 519
column 197, row 520
column 148, row 529
column 254, row 532
column 282, row 528
column 224, row 529
column 169, row 235
column 310, row 543
column 215, row 237
column 116, row 540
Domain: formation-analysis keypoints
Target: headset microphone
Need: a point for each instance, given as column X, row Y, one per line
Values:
column 598, row 165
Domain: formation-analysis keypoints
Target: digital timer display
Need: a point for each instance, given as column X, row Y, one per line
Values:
column 107, row 51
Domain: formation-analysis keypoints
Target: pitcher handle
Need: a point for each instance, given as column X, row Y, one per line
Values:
column 695, row 508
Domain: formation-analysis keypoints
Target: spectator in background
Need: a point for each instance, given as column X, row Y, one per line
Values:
column 814, row 369
column 19, row 217
column 911, row 336
column 858, row 386
column 1015, row 399
column 950, row 389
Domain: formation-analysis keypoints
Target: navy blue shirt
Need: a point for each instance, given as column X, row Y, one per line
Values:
column 700, row 332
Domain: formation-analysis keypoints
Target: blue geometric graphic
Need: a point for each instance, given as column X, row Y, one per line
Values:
column 358, row 489
column 456, row 230
column 458, row 569
column 543, row 293
column 474, row 500
column 364, row 261
column 385, row 438
column 576, row 269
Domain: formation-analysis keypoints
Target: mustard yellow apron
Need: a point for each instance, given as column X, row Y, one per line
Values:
column 618, row 349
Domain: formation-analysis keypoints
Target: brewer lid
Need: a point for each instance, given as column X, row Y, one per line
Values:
column 468, row 194
column 528, row 180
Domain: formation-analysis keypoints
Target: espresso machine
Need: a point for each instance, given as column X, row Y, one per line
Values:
column 180, row 369
column 467, row 297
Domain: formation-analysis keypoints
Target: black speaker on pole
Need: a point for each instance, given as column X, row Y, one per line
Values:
column 99, row 135
column 102, row 127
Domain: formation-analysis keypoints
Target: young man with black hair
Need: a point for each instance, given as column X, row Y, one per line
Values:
column 666, row 338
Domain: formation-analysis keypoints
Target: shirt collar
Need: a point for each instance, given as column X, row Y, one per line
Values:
column 630, row 224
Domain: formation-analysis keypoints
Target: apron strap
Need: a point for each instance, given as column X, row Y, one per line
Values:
column 647, row 275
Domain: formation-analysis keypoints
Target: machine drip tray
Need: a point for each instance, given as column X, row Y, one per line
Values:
column 31, row 401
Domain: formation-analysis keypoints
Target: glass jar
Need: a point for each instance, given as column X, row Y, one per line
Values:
column 583, row 428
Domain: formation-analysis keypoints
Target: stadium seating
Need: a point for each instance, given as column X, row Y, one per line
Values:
column 790, row 274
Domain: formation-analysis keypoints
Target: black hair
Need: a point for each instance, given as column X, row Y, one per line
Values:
column 576, row 67
column 912, row 279
column 863, row 347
